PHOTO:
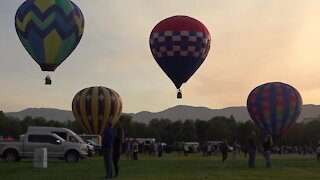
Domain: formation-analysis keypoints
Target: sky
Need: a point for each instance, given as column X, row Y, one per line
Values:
column 253, row 42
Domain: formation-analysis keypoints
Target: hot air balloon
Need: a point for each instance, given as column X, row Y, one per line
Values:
column 179, row 44
column 93, row 107
column 49, row 30
column 274, row 107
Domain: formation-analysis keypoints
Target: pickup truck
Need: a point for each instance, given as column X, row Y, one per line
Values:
column 56, row 146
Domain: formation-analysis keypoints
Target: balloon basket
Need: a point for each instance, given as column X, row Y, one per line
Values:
column 179, row 94
column 48, row 80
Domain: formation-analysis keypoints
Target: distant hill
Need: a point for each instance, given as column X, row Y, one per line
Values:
column 174, row 113
column 190, row 112
column 47, row 113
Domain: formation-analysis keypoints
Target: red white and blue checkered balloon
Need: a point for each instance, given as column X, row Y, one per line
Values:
column 179, row 45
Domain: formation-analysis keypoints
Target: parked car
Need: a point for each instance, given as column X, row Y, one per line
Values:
column 43, row 137
column 93, row 137
column 91, row 151
column 96, row 148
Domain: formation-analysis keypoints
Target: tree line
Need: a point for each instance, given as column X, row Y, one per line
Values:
column 165, row 130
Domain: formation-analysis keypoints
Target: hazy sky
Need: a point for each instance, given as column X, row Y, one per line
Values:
column 253, row 42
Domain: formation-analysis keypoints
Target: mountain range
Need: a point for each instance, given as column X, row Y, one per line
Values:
column 181, row 112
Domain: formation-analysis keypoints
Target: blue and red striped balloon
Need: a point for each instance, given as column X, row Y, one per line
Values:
column 274, row 107
column 179, row 44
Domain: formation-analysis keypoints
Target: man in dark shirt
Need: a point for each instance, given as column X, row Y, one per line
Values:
column 118, row 140
column 267, row 145
column 252, row 149
column 107, row 145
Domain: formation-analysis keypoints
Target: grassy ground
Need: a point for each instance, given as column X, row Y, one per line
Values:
column 169, row 167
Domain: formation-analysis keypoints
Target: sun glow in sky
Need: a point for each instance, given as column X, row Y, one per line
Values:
column 253, row 42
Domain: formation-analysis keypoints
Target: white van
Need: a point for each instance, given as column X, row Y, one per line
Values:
column 65, row 134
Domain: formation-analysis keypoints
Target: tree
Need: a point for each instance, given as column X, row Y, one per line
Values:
column 158, row 127
column 243, row 131
column 188, row 132
column 169, row 133
column 125, row 122
column 219, row 130
column 201, row 129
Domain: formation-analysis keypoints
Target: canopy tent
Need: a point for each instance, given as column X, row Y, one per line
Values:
column 9, row 138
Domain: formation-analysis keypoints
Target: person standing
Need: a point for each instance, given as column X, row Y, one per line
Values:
column 267, row 145
column 160, row 149
column 154, row 149
column 252, row 148
column 117, row 150
column 224, row 150
column 204, row 148
column 245, row 151
column 135, row 149
column 107, row 146
column 318, row 151
column 215, row 149
column 186, row 149
column 235, row 150
column 209, row 149
column 151, row 149
column 179, row 148
column 127, row 148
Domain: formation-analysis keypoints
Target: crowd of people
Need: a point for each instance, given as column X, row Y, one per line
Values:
column 293, row 150
column 252, row 148
column 267, row 148
column 131, row 148
column 222, row 147
column 114, row 145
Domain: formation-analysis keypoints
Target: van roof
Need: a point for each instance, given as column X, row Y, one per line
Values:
column 39, row 133
column 45, row 127
column 39, row 128
column 32, row 129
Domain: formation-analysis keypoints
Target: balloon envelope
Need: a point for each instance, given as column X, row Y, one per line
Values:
column 179, row 44
column 49, row 30
column 94, row 106
column 274, row 107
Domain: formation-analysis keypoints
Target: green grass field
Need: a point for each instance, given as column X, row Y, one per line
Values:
column 169, row 167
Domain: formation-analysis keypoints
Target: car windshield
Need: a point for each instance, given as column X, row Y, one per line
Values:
column 73, row 139
column 78, row 139
column 92, row 142
column 58, row 137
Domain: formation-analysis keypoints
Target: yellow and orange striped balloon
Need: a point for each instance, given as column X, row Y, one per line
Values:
column 93, row 107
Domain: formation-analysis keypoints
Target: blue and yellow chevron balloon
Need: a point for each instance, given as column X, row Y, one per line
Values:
column 49, row 30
